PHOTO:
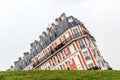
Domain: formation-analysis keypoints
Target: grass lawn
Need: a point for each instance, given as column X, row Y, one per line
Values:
column 60, row 75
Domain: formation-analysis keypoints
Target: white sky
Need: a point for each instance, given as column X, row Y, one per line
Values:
column 22, row 21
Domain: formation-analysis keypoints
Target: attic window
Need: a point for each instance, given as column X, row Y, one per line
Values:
column 70, row 20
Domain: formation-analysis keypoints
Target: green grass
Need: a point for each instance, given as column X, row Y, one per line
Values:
column 60, row 75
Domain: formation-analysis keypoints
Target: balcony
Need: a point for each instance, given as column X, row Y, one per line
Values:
column 50, row 53
column 58, row 48
column 87, row 33
column 76, row 35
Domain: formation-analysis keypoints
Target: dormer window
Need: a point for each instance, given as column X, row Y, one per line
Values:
column 70, row 20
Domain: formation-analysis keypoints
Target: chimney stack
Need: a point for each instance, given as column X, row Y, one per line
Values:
column 36, row 41
column 48, row 29
column 63, row 16
column 53, row 24
column 57, row 21
column 44, row 33
column 19, row 59
column 11, row 66
column 32, row 44
column 40, row 36
column 26, row 54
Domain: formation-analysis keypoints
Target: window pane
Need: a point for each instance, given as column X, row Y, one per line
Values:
column 81, row 44
column 70, row 20
column 76, row 33
column 86, row 55
column 90, row 65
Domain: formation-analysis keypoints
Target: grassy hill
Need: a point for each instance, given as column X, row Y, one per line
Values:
column 60, row 75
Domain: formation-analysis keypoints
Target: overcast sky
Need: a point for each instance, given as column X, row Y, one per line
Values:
column 22, row 21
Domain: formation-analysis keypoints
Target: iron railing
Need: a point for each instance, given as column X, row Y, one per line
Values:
column 57, row 48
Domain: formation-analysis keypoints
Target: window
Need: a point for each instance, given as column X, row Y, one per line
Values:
column 81, row 44
column 71, row 61
column 94, row 44
column 86, row 55
column 52, row 37
column 36, row 59
column 67, row 51
column 61, row 67
column 48, row 50
column 67, row 65
column 71, row 21
column 102, row 63
column 40, row 48
column 62, row 38
column 57, row 41
column 57, row 59
column 33, row 51
column 37, row 47
column 52, row 46
column 57, row 31
column 90, row 65
column 52, row 62
column 98, row 53
column 62, row 55
column 42, row 43
column 99, row 63
column 47, row 41
column 54, row 58
column 48, row 67
column 89, row 41
column 76, row 33
column 94, row 53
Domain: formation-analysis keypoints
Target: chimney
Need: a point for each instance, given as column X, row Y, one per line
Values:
column 32, row 44
column 36, row 41
column 53, row 24
column 63, row 16
column 11, row 66
column 57, row 21
column 60, row 19
column 48, row 29
column 44, row 33
column 19, row 59
column 40, row 36
column 26, row 54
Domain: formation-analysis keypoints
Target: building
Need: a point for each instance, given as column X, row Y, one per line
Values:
column 66, row 45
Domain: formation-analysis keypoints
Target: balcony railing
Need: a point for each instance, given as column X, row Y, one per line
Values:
column 70, row 38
